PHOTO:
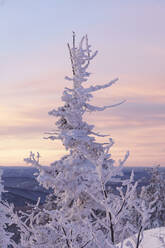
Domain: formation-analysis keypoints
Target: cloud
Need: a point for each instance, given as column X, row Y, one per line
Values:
column 131, row 115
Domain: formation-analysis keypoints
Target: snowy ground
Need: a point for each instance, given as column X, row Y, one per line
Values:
column 154, row 238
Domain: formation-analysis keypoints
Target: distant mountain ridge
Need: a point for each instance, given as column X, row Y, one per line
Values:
column 21, row 186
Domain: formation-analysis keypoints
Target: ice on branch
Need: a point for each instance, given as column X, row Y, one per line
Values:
column 6, row 212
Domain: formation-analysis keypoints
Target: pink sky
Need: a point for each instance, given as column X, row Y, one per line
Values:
column 130, row 38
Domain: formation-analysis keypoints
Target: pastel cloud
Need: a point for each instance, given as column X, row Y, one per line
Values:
column 137, row 126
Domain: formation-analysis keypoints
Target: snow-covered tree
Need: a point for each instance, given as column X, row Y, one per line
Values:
column 85, row 211
column 5, row 220
column 155, row 190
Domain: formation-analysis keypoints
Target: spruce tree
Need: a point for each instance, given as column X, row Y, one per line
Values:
column 154, row 191
column 5, row 219
column 85, row 211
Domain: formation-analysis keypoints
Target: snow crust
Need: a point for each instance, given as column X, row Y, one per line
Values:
column 153, row 238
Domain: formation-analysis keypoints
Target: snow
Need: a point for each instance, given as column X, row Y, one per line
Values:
column 153, row 238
